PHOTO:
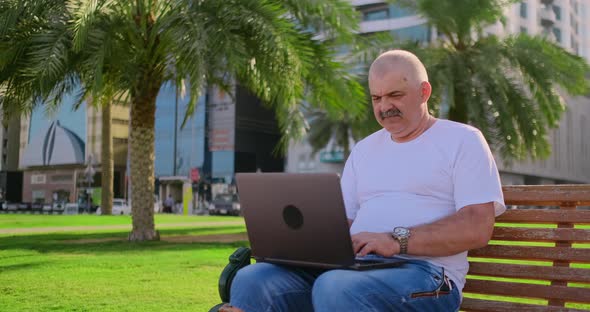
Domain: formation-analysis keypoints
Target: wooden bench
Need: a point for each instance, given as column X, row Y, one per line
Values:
column 546, row 260
column 552, row 260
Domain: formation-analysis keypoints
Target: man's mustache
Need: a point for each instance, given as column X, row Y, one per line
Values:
column 390, row 113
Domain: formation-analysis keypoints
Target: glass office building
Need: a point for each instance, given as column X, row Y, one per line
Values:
column 188, row 140
column 226, row 134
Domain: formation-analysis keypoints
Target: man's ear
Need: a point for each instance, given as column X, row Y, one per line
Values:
column 425, row 90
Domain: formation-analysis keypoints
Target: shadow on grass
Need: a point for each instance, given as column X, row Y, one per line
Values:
column 21, row 266
column 62, row 242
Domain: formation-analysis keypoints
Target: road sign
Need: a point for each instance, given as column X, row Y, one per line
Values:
column 195, row 176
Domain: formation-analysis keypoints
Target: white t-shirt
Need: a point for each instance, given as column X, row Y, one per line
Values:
column 387, row 184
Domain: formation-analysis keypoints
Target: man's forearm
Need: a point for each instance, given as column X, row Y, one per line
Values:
column 469, row 228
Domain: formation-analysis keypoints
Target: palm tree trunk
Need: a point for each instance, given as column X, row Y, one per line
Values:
column 141, row 138
column 458, row 109
column 106, row 157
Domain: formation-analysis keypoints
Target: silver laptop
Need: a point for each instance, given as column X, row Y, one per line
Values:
column 299, row 219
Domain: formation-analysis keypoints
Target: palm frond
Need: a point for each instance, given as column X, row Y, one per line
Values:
column 335, row 19
column 458, row 25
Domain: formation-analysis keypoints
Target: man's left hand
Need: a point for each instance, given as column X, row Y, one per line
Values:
column 381, row 244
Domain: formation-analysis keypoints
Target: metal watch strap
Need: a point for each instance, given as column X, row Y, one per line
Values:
column 401, row 235
column 403, row 245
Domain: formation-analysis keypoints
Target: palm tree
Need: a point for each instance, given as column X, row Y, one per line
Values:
column 49, row 47
column 507, row 87
column 341, row 128
column 106, row 158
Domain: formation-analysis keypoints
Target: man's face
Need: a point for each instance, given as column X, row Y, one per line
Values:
column 398, row 102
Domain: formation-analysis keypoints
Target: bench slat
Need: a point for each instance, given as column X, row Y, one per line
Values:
column 530, row 234
column 565, row 196
column 545, row 216
column 471, row 304
column 572, row 294
column 549, row 273
column 533, row 253
column 547, row 195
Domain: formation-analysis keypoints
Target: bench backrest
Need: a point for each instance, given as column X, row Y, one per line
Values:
column 540, row 254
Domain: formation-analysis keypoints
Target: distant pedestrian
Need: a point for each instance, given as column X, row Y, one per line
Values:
column 168, row 204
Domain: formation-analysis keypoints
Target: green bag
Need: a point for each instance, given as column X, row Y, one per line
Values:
column 237, row 260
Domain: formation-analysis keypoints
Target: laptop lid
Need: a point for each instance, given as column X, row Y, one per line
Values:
column 296, row 218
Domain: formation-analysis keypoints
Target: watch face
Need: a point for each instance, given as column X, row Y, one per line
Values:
column 401, row 231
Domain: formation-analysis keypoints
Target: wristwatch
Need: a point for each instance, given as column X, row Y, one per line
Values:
column 401, row 235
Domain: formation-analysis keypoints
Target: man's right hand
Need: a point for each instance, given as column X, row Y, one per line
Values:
column 381, row 244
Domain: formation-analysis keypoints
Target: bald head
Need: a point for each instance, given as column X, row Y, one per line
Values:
column 399, row 61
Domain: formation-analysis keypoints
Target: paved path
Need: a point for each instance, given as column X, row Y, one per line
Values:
column 53, row 229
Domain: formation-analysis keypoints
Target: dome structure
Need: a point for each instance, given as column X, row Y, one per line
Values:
column 55, row 146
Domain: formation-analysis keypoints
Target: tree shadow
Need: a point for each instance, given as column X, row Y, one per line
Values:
column 21, row 266
column 115, row 241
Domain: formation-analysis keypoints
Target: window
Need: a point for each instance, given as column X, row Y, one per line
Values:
column 523, row 9
column 38, row 196
column 376, row 15
column 415, row 33
column 557, row 11
column 396, row 11
column 38, row 179
column 523, row 30
column 375, row 12
column 557, row 34
column 117, row 121
column 62, row 178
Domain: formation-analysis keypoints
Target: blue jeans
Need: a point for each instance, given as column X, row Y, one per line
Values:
column 265, row 287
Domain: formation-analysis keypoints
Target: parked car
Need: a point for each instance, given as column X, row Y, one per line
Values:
column 225, row 204
column 120, row 207
column 37, row 207
column 11, row 207
column 59, row 207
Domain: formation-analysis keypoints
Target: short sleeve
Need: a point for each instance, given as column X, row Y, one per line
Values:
column 475, row 175
column 348, row 185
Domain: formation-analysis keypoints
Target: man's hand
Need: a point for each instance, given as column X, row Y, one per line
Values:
column 381, row 244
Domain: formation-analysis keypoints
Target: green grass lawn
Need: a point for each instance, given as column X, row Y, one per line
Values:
column 81, row 271
column 27, row 220
column 53, row 272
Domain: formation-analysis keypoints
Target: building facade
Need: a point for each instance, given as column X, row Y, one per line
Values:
column 227, row 133
column 9, row 150
column 565, row 21
column 58, row 146
column 10, row 178
column 51, row 161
